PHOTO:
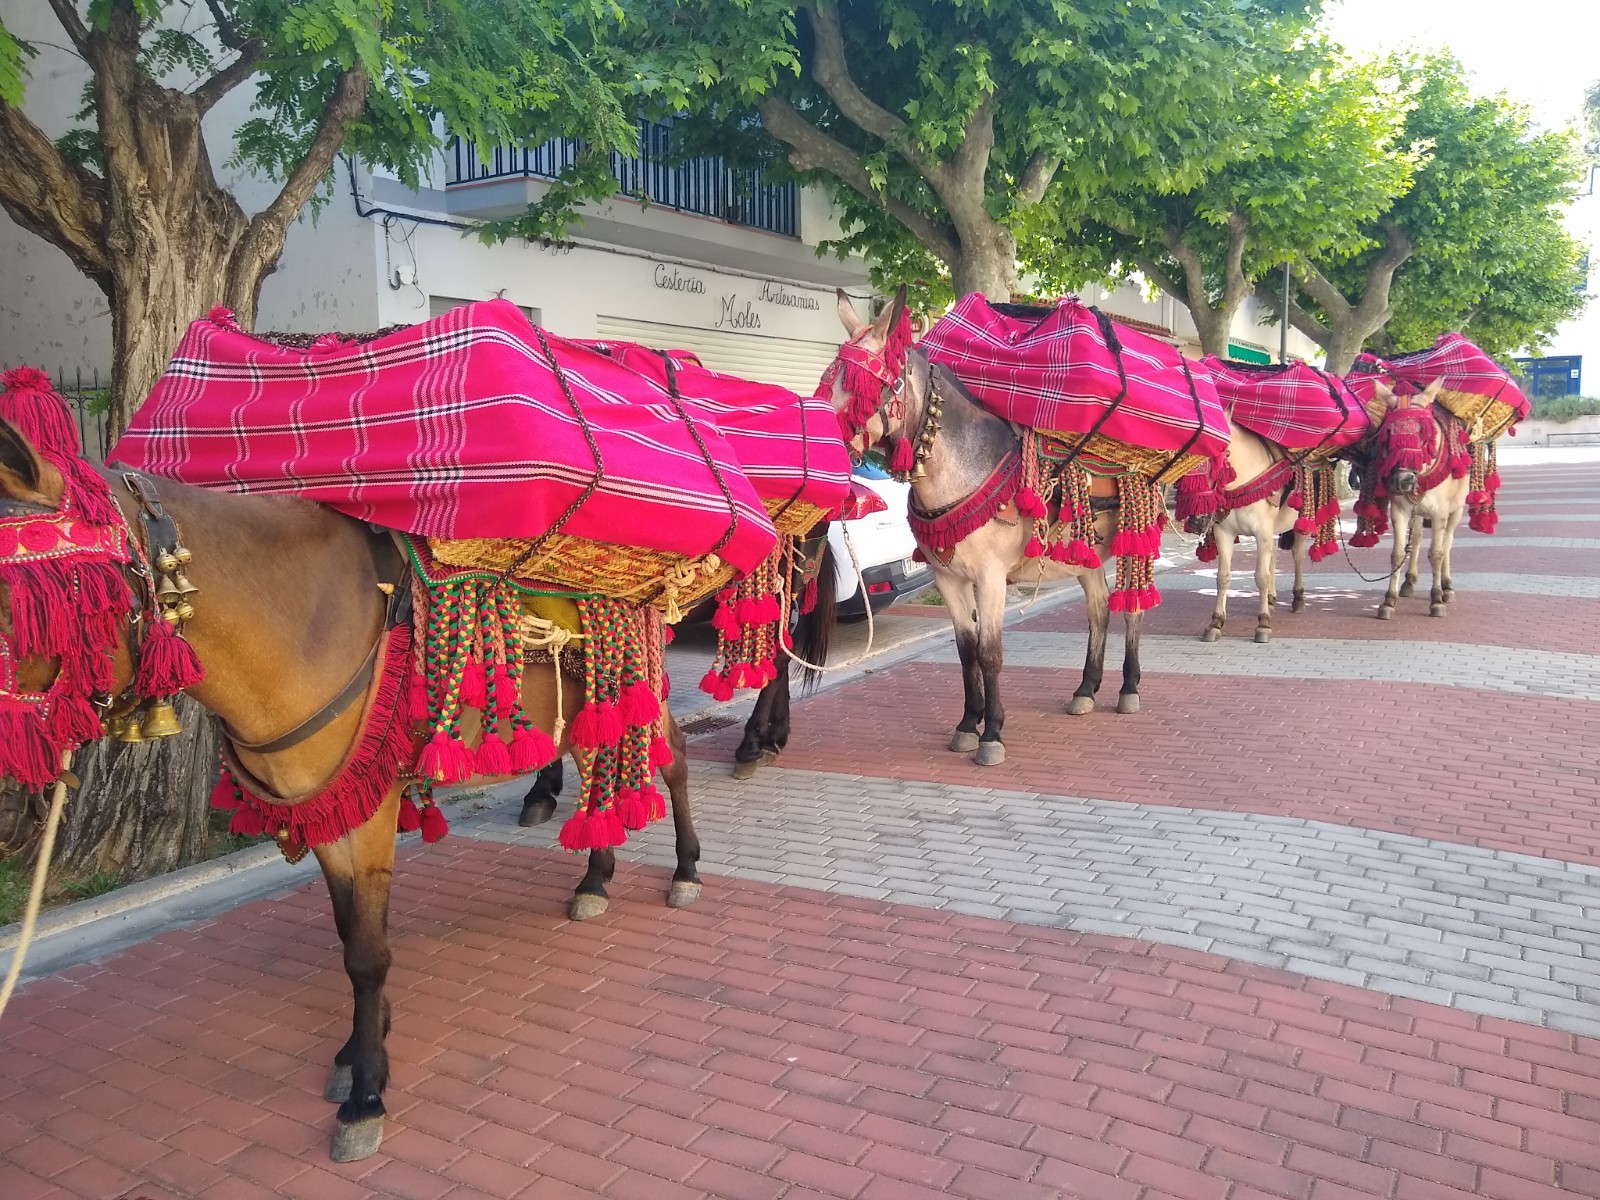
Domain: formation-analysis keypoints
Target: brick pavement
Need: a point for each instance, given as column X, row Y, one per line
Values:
column 1359, row 919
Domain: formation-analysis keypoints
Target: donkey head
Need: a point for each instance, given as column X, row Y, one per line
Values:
column 1407, row 438
column 866, row 383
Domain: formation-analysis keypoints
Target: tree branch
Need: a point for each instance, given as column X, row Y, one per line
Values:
column 230, row 76
column 1235, row 287
column 264, row 237
column 811, row 149
column 1298, row 317
column 51, row 197
column 1374, row 311
column 227, row 32
column 67, row 13
column 1324, row 293
column 1036, row 177
column 1157, row 274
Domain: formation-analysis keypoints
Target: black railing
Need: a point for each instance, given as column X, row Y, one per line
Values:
column 706, row 186
column 89, row 397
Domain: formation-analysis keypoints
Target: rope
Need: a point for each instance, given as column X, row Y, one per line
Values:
column 47, row 847
column 540, row 634
column 861, row 582
column 1411, row 532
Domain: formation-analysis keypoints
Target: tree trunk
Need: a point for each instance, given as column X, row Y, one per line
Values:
column 143, row 809
column 1344, row 343
column 1213, row 325
column 987, row 264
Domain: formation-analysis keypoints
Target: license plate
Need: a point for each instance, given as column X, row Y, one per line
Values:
column 910, row 566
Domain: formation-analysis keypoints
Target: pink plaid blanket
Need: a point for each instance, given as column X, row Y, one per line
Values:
column 462, row 427
column 1070, row 369
column 1296, row 405
column 1464, row 368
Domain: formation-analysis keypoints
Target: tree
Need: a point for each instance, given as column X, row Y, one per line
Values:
column 133, row 199
column 1489, row 193
column 1322, row 161
column 940, row 123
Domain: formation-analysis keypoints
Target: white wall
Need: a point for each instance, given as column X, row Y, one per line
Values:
column 1131, row 300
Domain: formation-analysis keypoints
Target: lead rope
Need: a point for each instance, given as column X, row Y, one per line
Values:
column 47, row 846
column 861, row 582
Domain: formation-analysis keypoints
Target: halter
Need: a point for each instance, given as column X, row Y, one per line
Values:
column 874, row 385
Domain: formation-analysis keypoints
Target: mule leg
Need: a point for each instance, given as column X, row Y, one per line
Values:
column 1219, row 614
column 1095, row 599
column 1399, row 522
column 358, row 868
column 1439, row 560
column 1448, row 588
column 1298, row 549
column 991, row 592
column 1128, row 700
column 1266, row 583
column 539, row 805
column 754, row 752
column 685, row 888
column 1414, row 544
column 961, row 598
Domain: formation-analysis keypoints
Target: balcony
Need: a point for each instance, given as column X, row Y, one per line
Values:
column 706, row 187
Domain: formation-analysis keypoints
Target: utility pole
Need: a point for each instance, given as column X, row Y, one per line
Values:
column 1283, row 319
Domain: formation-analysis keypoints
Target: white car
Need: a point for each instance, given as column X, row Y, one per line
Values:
column 884, row 546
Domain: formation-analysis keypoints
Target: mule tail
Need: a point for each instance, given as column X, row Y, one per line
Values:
column 813, row 631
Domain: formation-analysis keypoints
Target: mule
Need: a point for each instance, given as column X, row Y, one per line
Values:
column 968, row 446
column 1432, row 494
column 291, row 599
column 1268, row 519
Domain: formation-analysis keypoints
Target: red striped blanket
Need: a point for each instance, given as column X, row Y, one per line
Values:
column 1465, row 369
column 463, row 427
column 1296, row 405
column 1070, row 369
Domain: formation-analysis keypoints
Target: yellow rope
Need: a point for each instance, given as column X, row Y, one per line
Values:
column 47, row 846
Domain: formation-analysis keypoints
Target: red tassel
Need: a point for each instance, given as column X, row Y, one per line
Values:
column 247, row 822
column 26, row 751
column 531, row 748
column 1491, row 482
column 409, row 819
column 1028, row 502
column 494, row 758
column 654, row 801
column 1207, row 550
column 903, row 458
column 1034, row 548
column 660, row 753
column 434, row 825
column 580, row 832
column 587, row 733
column 505, row 691
column 167, row 663
column 1296, row 500
column 724, row 690
column 222, row 796
column 1117, row 602
column 444, row 760
column 668, row 635
column 632, row 809
column 1363, row 539
column 1059, row 553
column 1305, row 525
column 638, row 704
column 418, row 694
column 609, row 722
column 710, row 682
column 74, row 720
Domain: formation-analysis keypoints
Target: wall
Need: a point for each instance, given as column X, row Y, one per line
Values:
column 1130, row 301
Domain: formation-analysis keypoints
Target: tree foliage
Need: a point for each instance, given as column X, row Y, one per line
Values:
column 1470, row 238
column 1321, row 162
column 940, row 123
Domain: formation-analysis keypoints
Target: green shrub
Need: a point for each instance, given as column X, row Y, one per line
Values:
column 1566, row 408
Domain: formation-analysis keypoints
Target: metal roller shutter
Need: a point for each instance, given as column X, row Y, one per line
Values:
column 794, row 363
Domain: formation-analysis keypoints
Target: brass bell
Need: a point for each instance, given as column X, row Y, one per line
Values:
column 181, row 582
column 127, row 728
column 160, row 722
column 168, row 591
column 166, row 562
column 919, row 471
column 181, row 553
column 171, row 616
column 184, row 610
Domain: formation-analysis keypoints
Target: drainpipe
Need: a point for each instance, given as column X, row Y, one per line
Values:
column 1283, row 320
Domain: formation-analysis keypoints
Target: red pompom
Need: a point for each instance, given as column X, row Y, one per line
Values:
column 167, row 663
column 638, row 704
column 494, row 758
column 902, row 459
column 222, row 796
column 247, row 822
column 632, row 810
column 660, row 752
column 408, row 820
column 710, row 682
column 1034, row 548
column 434, row 825
column 531, row 748
column 474, row 686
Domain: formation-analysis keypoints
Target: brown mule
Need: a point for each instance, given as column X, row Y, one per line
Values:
column 288, row 606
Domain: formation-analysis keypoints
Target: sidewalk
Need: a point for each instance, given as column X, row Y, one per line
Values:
column 1321, row 923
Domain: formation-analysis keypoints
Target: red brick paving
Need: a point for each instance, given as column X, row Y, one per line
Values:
column 1465, row 765
column 1566, row 624
column 770, row 1043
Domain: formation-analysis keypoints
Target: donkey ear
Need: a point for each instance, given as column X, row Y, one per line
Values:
column 23, row 474
column 1431, row 392
column 890, row 316
column 848, row 317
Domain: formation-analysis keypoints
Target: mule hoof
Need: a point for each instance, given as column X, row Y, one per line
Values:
column 1080, row 706
column 682, row 894
column 744, row 770
column 1385, row 612
column 1212, row 634
column 1407, row 588
column 963, row 742
column 337, row 1089
column 585, row 906
column 536, row 812
column 1437, row 609
column 1263, row 636
column 1299, row 602
column 356, row 1140
column 1128, row 703
column 991, row 754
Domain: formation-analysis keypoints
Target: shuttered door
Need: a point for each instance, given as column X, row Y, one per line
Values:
column 794, row 363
